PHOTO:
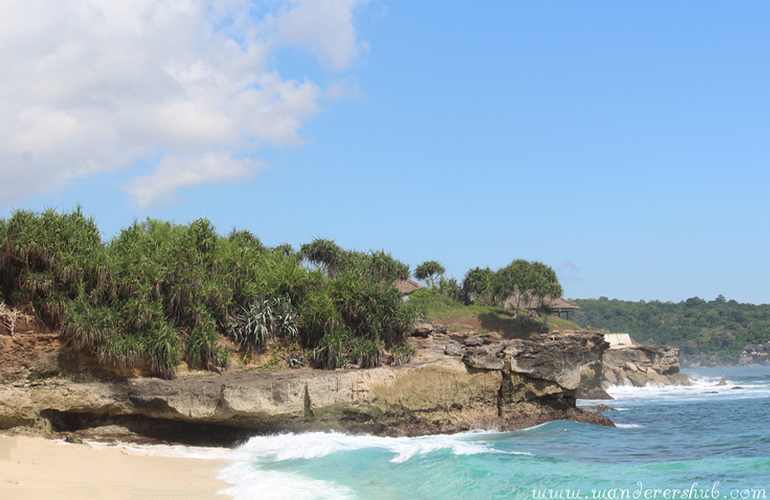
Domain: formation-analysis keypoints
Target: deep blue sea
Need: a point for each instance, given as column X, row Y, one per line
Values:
column 704, row 441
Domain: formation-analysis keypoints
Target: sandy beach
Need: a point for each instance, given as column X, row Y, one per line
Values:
column 37, row 468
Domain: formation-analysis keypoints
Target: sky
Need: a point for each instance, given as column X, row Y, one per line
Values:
column 625, row 144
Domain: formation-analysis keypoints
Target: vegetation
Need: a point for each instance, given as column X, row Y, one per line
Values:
column 436, row 307
column 481, row 299
column 710, row 332
column 430, row 271
column 520, row 282
column 477, row 286
column 159, row 292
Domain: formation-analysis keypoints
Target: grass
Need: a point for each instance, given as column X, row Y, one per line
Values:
column 459, row 317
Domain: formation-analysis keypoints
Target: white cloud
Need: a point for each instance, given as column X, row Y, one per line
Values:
column 326, row 26
column 173, row 173
column 89, row 86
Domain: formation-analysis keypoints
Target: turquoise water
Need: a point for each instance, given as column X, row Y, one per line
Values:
column 681, row 441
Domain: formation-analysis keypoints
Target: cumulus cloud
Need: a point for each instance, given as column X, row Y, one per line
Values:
column 173, row 173
column 326, row 26
column 91, row 86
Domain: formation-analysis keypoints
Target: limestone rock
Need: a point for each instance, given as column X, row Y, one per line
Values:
column 423, row 330
column 593, row 393
column 483, row 358
column 453, row 350
column 591, row 377
column 639, row 365
column 558, row 360
column 501, row 385
column 600, row 408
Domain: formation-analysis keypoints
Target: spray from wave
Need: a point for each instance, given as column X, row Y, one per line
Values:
column 257, row 463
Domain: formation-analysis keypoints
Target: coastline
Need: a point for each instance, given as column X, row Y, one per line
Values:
column 39, row 468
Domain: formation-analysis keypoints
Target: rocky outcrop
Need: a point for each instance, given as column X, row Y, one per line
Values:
column 640, row 365
column 591, row 380
column 449, row 386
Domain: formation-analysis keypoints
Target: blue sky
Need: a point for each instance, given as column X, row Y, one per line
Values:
column 623, row 143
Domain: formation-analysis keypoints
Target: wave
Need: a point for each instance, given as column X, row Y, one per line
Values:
column 249, row 482
column 702, row 387
column 261, row 466
column 311, row 445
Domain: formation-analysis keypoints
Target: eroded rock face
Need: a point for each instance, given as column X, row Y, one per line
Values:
column 500, row 384
column 591, row 378
column 639, row 365
column 549, row 368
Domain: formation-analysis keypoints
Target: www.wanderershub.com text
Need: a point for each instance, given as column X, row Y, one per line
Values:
column 640, row 492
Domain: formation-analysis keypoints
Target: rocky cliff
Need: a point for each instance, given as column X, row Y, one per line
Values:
column 639, row 365
column 633, row 365
column 454, row 383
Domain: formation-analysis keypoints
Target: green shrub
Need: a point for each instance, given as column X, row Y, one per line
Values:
column 264, row 319
column 402, row 353
column 159, row 293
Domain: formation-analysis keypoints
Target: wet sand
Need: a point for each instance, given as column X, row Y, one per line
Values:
column 39, row 469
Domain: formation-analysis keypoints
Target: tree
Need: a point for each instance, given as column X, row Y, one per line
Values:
column 544, row 285
column 522, row 281
column 429, row 271
column 477, row 285
column 450, row 288
column 512, row 281
column 334, row 261
column 325, row 254
column 543, row 282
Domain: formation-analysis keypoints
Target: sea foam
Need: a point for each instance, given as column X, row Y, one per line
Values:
column 319, row 444
column 250, row 477
column 249, row 482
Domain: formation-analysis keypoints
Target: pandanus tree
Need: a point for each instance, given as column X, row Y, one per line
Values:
column 477, row 286
column 159, row 293
column 356, row 309
column 430, row 271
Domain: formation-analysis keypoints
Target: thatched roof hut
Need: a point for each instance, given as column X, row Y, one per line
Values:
column 557, row 306
column 407, row 286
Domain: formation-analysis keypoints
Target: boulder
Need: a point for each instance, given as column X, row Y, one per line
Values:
column 483, row 357
column 423, row 330
column 473, row 341
column 453, row 350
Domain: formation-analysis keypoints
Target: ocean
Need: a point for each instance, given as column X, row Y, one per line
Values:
column 703, row 441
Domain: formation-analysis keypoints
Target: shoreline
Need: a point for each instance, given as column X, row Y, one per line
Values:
column 41, row 468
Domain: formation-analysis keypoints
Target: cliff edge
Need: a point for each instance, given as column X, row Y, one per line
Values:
column 634, row 365
column 639, row 365
column 454, row 383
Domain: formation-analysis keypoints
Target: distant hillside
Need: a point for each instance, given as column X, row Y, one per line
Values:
column 715, row 331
